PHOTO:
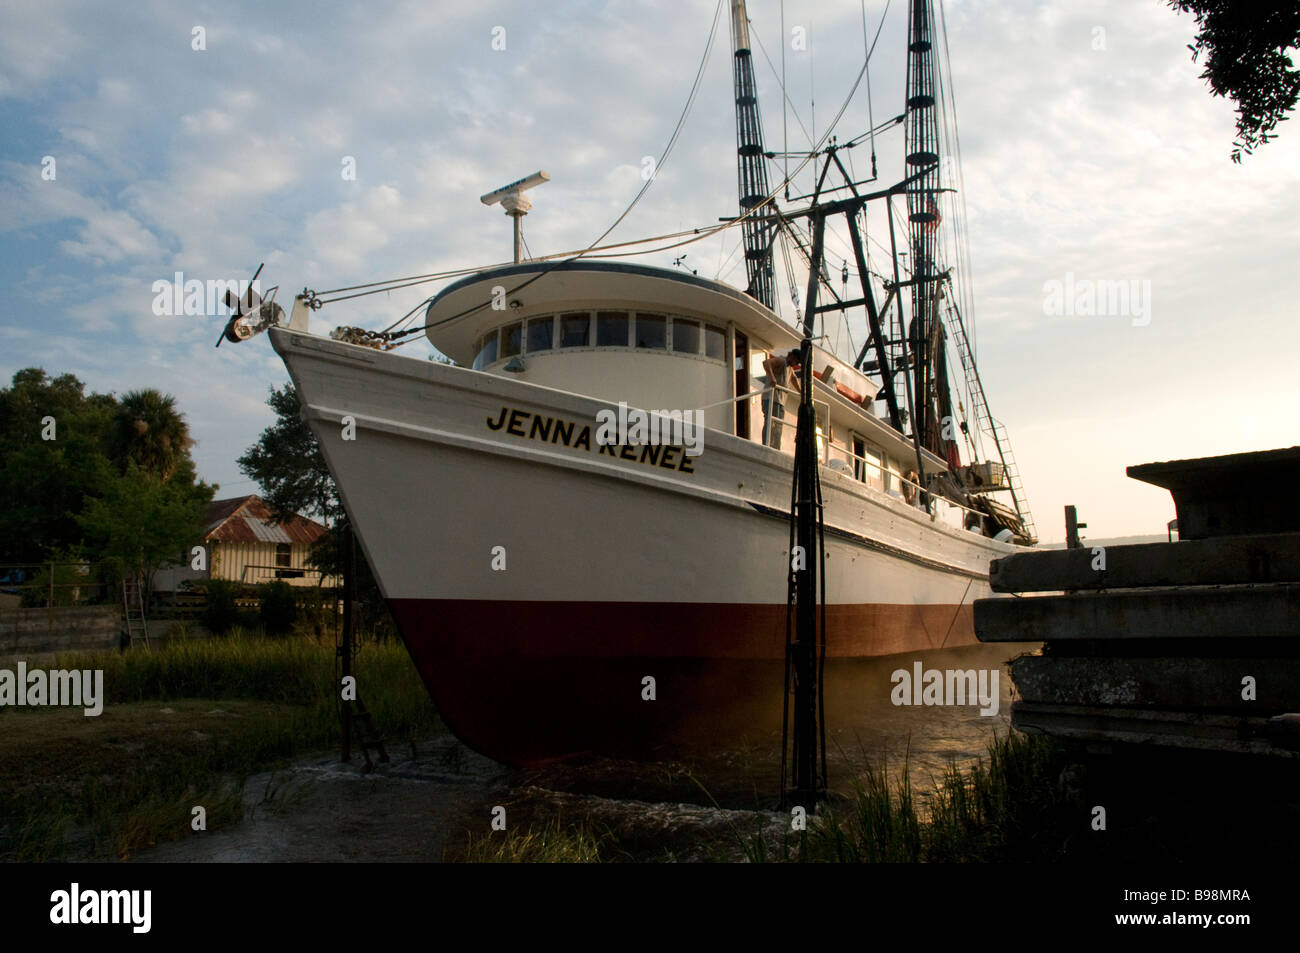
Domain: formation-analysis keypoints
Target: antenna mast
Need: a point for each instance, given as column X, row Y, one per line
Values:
column 512, row 199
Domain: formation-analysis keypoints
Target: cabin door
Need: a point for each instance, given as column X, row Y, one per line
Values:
column 742, row 384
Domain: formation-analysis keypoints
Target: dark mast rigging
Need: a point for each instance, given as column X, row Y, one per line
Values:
column 805, row 650
column 926, row 333
column 758, row 228
column 915, row 350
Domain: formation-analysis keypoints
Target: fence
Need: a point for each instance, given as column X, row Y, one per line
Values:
column 57, row 584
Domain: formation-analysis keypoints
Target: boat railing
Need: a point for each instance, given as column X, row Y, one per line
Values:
column 941, row 509
column 780, row 435
column 781, row 419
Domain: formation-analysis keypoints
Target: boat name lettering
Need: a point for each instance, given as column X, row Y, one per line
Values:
column 530, row 426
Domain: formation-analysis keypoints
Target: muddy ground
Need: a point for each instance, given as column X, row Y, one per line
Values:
column 431, row 797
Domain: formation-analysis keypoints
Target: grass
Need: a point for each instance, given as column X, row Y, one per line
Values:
column 877, row 823
column 182, row 725
column 185, row 724
column 554, row 843
column 1003, row 809
column 1008, row 811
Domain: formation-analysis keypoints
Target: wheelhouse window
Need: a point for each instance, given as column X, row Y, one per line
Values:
column 715, row 342
column 612, row 329
column 487, row 351
column 575, row 329
column 512, row 336
column 541, row 331
column 686, row 336
column 652, row 331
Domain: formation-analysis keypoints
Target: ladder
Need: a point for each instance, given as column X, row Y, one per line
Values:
column 1013, row 477
column 985, row 422
column 367, row 735
column 133, row 609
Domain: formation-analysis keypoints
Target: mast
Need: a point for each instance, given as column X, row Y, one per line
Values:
column 930, row 383
column 751, row 167
column 927, row 333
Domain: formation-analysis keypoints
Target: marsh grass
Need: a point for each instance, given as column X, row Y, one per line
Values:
column 1006, row 807
column 553, row 843
column 183, row 725
column 876, row 823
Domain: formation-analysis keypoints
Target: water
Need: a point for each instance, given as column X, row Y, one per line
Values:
column 864, row 727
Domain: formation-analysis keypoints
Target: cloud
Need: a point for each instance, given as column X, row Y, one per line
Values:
column 1108, row 163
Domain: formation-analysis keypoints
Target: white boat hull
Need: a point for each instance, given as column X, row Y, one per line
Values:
column 538, row 578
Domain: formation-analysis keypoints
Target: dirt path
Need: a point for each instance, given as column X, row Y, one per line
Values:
column 321, row 810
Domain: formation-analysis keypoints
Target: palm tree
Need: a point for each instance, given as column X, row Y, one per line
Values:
column 150, row 432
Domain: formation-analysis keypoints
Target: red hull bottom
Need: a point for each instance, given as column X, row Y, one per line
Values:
column 528, row 682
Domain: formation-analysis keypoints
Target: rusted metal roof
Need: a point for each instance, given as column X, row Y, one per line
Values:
column 247, row 519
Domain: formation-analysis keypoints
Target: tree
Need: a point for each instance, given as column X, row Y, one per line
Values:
column 142, row 523
column 287, row 463
column 1246, row 47
column 149, row 432
column 87, row 477
column 54, row 443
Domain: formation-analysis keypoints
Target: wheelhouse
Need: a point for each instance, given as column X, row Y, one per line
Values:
column 661, row 339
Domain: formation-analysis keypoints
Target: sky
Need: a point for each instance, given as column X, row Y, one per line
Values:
column 350, row 144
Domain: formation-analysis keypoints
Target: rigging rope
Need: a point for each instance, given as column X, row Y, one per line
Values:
column 697, row 234
column 672, row 141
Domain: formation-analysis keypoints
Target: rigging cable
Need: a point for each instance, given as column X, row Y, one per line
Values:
column 695, row 88
column 785, row 98
column 962, row 288
column 697, row 234
column 871, row 122
column 785, row 131
column 966, row 270
column 672, row 141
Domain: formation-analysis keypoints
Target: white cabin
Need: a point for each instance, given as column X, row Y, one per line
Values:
column 662, row 339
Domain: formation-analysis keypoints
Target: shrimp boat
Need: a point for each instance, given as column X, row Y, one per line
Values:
column 582, row 524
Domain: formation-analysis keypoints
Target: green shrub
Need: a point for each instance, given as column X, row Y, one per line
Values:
column 221, row 613
column 279, row 607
